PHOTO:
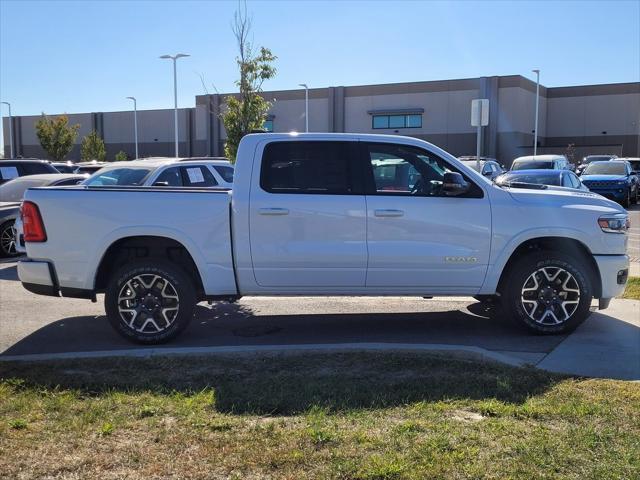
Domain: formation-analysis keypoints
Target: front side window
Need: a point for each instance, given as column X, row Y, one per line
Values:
column 397, row 121
column 307, row 167
column 407, row 170
column 169, row 178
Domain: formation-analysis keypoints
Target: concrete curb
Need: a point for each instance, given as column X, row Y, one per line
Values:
column 336, row 347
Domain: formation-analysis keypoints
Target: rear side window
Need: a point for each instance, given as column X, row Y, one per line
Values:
column 8, row 171
column 197, row 176
column 309, row 167
column 225, row 172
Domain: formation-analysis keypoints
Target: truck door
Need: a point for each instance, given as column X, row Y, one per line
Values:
column 417, row 236
column 308, row 216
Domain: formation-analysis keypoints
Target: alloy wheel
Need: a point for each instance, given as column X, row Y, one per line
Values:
column 8, row 239
column 550, row 296
column 148, row 303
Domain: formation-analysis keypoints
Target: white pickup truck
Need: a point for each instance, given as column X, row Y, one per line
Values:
column 327, row 214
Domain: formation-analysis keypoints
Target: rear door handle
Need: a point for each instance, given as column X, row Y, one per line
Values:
column 273, row 211
column 388, row 212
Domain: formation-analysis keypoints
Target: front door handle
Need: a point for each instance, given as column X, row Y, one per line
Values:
column 273, row 211
column 388, row 212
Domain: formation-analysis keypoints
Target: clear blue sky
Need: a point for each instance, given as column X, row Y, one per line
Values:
column 84, row 56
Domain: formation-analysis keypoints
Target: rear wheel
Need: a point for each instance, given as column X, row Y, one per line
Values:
column 548, row 293
column 150, row 301
column 8, row 239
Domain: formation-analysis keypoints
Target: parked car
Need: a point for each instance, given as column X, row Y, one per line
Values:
column 554, row 178
column 323, row 214
column 11, row 193
column 164, row 173
column 545, row 162
column 9, row 211
column 18, row 167
column 613, row 179
column 489, row 167
column 65, row 167
column 634, row 161
column 593, row 158
column 90, row 167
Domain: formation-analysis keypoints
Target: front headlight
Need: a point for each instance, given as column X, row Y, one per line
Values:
column 617, row 223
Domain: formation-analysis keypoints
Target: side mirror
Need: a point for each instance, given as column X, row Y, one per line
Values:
column 487, row 174
column 454, row 184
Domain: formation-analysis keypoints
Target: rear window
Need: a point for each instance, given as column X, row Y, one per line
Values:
column 540, row 179
column 37, row 168
column 531, row 165
column 118, row 177
column 306, row 167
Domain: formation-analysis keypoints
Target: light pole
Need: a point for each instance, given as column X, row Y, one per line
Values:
column 135, row 122
column 175, row 92
column 535, row 131
column 306, row 106
column 10, row 129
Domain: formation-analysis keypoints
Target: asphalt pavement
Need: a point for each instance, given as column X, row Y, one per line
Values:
column 607, row 345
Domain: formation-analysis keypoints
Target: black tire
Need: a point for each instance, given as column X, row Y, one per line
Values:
column 7, row 247
column 150, row 286
column 519, row 305
column 626, row 203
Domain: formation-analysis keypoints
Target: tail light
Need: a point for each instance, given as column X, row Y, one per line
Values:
column 32, row 225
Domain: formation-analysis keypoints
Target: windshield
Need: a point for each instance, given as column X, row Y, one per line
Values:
column 531, row 165
column 126, row 176
column 605, row 168
column 596, row 158
column 536, row 178
column 225, row 172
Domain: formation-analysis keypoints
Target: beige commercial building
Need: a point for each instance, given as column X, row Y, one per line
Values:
column 594, row 118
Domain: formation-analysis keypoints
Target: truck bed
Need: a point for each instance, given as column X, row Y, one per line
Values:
column 197, row 218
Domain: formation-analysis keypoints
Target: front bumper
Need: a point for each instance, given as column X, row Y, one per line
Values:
column 614, row 270
column 618, row 194
column 39, row 277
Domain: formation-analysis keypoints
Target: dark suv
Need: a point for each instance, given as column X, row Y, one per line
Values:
column 614, row 179
column 18, row 167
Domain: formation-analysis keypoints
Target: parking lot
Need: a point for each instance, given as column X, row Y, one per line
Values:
column 36, row 325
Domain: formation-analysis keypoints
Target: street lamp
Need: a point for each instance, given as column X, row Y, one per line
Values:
column 306, row 106
column 175, row 92
column 535, row 131
column 135, row 122
column 10, row 129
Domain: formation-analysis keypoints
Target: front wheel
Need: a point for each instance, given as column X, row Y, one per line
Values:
column 548, row 293
column 149, row 301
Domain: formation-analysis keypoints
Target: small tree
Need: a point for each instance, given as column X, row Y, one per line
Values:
column 56, row 135
column 92, row 148
column 570, row 153
column 121, row 156
column 248, row 110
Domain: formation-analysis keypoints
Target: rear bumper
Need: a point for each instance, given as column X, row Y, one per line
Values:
column 39, row 277
column 614, row 270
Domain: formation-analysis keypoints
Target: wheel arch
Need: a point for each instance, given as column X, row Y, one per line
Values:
column 146, row 246
column 568, row 246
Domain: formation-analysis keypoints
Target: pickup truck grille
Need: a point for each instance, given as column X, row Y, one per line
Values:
column 601, row 183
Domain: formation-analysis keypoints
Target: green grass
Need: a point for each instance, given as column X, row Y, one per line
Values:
column 633, row 288
column 349, row 416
